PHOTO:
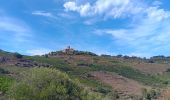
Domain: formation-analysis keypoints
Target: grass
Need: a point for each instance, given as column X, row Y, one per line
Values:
column 117, row 67
column 5, row 83
column 74, row 72
column 108, row 65
column 165, row 76
column 50, row 84
column 132, row 74
column 2, row 71
column 79, row 69
column 52, row 61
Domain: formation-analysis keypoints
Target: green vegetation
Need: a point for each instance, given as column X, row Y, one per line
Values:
column 2, row 71
column 5, row 83
column 132, row 74
column 17, row 55
column 49, row 84
column 53, row 61
column 117, row 67
column 150, row 94
column 52, row 82
column 165, row 76
column 6, row 54
column 3, row 53
column 76, row 52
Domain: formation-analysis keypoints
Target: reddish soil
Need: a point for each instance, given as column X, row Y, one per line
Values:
column 150, row 68
column 165, row 94
column 121, row 84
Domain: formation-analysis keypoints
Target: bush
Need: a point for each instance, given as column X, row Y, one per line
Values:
column 48, row 84
column 76, row 52
column 168, row 70
column 150, row 94
column 103, row 90
column 2, row 71
column 17, row 55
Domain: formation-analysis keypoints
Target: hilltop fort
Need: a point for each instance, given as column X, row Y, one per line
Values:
column 68, row 50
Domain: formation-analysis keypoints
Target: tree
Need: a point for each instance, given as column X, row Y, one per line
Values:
column 119, row 56
column 46, row 56
column 17, row 55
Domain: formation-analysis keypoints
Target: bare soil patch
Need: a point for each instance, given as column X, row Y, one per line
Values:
column 150, row 68
column 119, row 83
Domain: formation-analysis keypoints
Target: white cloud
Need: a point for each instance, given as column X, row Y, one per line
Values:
column 143, row 54
column 156, row 14
column 70, row 6
column 106, row 8
column 65, row 15
column 40, row 51
column 90, row 21
column 84, row 10
column 42, row 13
column 148, row 34
column 157, row 3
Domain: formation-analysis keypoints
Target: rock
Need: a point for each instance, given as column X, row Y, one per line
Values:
column 3, row 59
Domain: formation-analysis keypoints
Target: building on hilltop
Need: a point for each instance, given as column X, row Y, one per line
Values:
column 69, row 50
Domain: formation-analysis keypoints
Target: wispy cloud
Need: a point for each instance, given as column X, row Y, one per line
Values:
column 40, row 51
column 49, row 15
column 65, row 15
column 15, row 28
column 43, row 13
column 157, row 3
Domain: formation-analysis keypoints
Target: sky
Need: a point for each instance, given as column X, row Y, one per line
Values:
column 128, row 27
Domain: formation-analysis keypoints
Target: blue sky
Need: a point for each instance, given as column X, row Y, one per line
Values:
column 128, row 27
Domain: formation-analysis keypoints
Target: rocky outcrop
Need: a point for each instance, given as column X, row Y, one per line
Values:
column 29, row 63
column 4, row 59
column 21, row 62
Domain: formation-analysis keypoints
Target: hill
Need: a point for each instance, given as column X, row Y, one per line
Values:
column 108, row 77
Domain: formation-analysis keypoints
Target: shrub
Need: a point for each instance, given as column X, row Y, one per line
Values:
column 2, row 71
column 168, row 70
column 46, row 55
column 76, row 52
column 48, row 84
column 103, row 90
column 150, row 94
column 17, row 55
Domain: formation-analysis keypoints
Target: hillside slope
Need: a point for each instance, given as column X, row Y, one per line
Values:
column 113, row 77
